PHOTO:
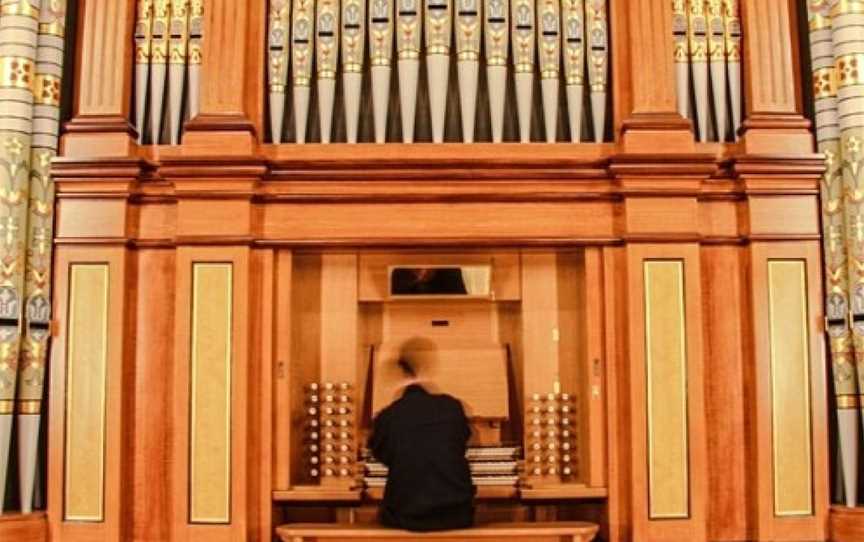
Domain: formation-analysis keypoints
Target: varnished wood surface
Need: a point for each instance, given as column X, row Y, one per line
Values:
column 24, row 527
column 846, row 524
column 585, row 531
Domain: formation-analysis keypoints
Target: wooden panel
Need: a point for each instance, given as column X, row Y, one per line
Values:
column 339, row 347
column 24, row 528
column 540, row 322
column 286, row 396
column 460, row 221
column 91, row 218
column 86, row 393
column 666, row 278
column 783, row 216
column 666, row 369
column 724, row 306
column 790, row 387
column 96, row 292
column 153, row 422
column 210, row 394
column 646, row 216
column 211, row 405
column 208, row 218
column 787, row 344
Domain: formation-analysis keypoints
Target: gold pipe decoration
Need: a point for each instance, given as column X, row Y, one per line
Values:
column 573, row 26
column 40, row 232
column 18, row 46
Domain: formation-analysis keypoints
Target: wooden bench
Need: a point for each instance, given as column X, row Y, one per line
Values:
column 564, row 531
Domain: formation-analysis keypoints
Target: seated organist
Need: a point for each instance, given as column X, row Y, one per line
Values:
column 422, row 437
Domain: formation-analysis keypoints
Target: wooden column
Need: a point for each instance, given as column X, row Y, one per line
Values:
column 645, row 78
column 772, row 79
column 232, row 78
column 100, row 125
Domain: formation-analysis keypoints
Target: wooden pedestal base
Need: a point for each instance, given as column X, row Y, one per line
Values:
column 24, row 527
column 846, row 524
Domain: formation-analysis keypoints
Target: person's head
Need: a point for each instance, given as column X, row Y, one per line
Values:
column 414, row 354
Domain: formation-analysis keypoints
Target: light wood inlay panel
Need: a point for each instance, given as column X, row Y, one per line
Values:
column 86, row 393
column 666, row 370
column 790, row 387
column 210, row 403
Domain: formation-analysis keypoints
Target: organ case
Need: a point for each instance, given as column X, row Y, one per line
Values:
column 652, row 266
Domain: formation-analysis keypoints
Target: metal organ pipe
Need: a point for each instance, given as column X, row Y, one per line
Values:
column 546, row 36
column 707, row 44
column 168, row 40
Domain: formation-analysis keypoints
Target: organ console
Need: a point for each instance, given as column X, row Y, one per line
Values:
column 614, row 265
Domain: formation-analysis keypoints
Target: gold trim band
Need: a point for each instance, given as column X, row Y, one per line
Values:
column 845, row 402
column 7, row 406
column 847, row 7
column 29, row 407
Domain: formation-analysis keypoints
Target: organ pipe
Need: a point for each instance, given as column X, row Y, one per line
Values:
column 598, row 62
column 353, row 49
column 326, row 60
column 40, row 231
column 573, row 26
column 279, row 22
column 717, row 61
column 178, row 52
column 409, row 25
column 143, row 38
column 523, row 62
column 497, row 36
column 468, row 33
column 302, row 26
column 381, row 58
column 699, row 63
column 438, row 24
column 19, row 22
column 549, row 52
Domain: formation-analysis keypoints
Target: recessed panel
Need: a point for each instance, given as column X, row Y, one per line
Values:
column 210, row 394
column 86, row 390
column 790, row 388
column 666, row 372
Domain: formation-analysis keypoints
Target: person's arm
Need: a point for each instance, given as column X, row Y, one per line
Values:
column 379, row 441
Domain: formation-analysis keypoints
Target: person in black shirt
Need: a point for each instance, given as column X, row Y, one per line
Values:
column 421, row 438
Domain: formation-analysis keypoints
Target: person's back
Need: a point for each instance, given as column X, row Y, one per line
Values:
column 422, row 438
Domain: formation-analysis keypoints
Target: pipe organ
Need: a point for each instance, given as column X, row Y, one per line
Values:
column 439, row 34
column 261, row 205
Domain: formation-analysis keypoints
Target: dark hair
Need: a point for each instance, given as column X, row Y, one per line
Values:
column 407, row 368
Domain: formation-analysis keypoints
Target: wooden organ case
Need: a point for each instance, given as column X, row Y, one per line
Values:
column 643, row 352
